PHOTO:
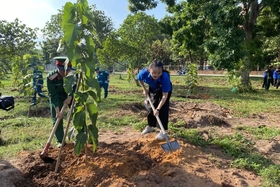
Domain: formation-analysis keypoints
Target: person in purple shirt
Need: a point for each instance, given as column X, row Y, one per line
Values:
column 160, row 89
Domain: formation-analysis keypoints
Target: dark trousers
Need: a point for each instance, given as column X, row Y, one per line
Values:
column 37, row 90
column 164, row 111
column 105, row 86
column 267, row 82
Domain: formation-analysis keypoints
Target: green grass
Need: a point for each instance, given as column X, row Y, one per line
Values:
column 262, row 132
column 22, row 133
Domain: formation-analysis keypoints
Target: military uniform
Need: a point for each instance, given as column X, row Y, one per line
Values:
column 57, row 96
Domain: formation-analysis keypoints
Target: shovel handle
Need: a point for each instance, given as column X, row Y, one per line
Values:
column 160, row 124
column 158, row 120
column 45, row 151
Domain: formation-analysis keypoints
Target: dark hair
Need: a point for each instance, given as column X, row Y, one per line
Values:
column 157, row 64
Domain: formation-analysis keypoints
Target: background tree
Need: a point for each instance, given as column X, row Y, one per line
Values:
column 112, row 51
column 137, row 33
column 16, row 40
column 142, row 5
column 52, row 33
column 100, row 24
column 190, row 30
column 161, row 50
column 268, row 33
column 232, row 43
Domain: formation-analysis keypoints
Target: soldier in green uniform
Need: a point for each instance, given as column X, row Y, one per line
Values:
column 57, row 94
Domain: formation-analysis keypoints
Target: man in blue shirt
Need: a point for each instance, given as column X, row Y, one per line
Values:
column 103, row 80
column 37, row 84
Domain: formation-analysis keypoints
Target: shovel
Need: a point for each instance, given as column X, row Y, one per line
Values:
column 44, row 154
column 169, row 146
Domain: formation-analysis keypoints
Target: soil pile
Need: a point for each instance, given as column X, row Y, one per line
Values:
column 127, row 158
column 130, row 162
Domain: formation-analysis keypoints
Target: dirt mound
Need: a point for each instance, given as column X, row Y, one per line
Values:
column 199, row 115
column 129, row 159
column 126, row 158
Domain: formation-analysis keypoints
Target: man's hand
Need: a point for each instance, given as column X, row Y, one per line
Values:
column 57, row 113
column 68, row 100
column 145, row 92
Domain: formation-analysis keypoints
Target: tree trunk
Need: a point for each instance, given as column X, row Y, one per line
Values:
column 248, row 26
column 245, row 78
column 201, row 63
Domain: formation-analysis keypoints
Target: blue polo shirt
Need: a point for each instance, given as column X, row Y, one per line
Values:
column 275, row 74
column 102, row 76
column 163, row 82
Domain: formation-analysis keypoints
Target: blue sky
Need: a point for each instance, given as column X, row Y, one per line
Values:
column 35, row 13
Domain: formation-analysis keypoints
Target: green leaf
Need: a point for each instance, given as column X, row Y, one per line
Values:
column 88, row 67
column 90, row 44
column 76, row 55
column 69, row 13
column 93, row 83
column 71, row 33
column 70, row 133
column 79, row 118
column 94, row 95
column 93, row 136
column 84, row 20
column 92, row 111
column 69, row 81
column 81, row 97
column 80, row 141
column 84, row 3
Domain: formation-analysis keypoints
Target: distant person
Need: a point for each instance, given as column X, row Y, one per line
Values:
column 267, row 78
column 37, row 84
column 57, row 94
column 160, row 89
column 278, row 79
column 103, row 80
column 275, row 76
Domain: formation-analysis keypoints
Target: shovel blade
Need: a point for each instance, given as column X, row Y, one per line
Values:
column 171, row 146
column 47, row 159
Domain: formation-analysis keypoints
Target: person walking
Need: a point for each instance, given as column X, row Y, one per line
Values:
column 159, row 90
column 57, row 94
column 103, row 80
column 267, row 78
column 37, row 84
column 274, row 75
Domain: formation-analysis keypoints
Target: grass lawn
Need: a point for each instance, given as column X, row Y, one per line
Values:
column 23, row 133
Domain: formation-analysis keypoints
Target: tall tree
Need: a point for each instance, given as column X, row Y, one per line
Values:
column 138, row 31
column 268, row 30
column 190, row 30
column 226, row 15
column 233, row 26
column 142, row 5
column 16, row 40
column 100, row 24
column 161, row 49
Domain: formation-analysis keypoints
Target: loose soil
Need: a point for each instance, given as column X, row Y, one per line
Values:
column 126, row 158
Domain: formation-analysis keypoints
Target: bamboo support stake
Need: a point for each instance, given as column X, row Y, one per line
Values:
column 69, row 117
